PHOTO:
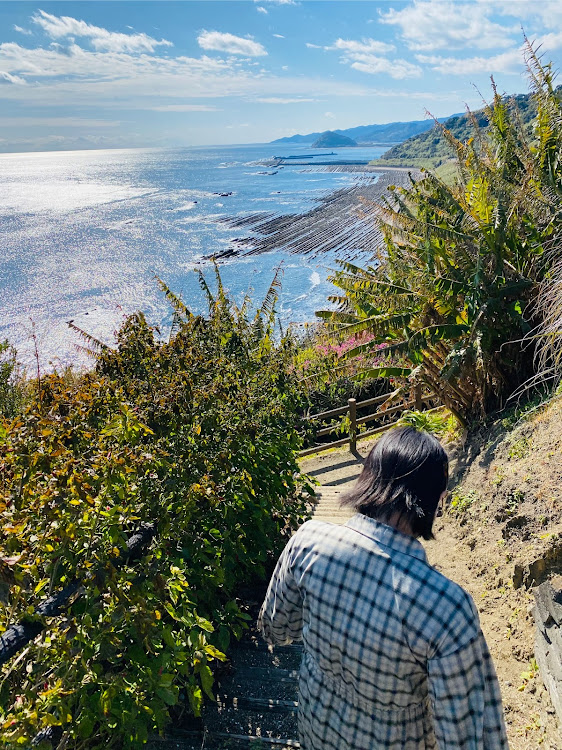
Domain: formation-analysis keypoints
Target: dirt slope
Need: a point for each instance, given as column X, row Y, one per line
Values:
column 501, row 535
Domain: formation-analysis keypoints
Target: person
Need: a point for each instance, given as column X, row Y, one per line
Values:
column 393, row 656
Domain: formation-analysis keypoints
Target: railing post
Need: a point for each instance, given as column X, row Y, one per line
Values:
column 352, row 404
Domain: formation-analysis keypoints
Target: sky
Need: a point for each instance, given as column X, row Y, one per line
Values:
column 110, row 74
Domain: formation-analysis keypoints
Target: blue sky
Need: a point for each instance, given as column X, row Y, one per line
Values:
column 116, row 74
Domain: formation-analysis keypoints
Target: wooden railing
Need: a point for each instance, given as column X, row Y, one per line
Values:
column 417, row 400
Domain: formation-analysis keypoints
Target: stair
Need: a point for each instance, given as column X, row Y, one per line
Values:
column 256, row 701
column 328, row 508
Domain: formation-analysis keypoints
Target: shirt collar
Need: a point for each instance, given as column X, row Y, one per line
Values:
column 387, row 536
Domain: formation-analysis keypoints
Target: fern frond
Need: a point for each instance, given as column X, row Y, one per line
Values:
column 206, row 289
column 267, row 309
column 93, row 344
column 177, row 304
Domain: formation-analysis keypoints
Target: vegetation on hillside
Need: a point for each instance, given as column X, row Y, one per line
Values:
column 330, row 139
column 11, row 391
column 433, row 147
column 457, row 289
column 195, row 436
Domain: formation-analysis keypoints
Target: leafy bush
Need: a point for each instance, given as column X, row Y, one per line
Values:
column 436, row 423
column 459, row 286
column 197, row 436
column 328, row 377
column 11, row 386
column 462, row 500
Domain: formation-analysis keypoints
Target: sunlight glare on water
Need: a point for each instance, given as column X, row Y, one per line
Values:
column 84, row 233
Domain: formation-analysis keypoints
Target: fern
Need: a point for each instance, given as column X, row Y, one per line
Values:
column 93, row 345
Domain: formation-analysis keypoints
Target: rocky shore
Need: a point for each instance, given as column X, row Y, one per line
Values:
column 344, row 221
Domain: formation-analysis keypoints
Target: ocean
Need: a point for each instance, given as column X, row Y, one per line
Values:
column 84, row 233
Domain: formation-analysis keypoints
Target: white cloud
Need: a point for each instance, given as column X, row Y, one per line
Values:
column 366, row 57
column 549, row 42
column 233, row 45
column 76, row 77
column 330, row 115
column 313, row 46
column 261, row 9
column 446, row 24
column 185, row 108
column 279, row 36
column 547, row 12
column 398, row 68
column 507, row 62
column 9, row 78
column 277, row 2
column 282, row 100
column 64, row 122
column 19, row 29
column 62, row 27
column 363, row 47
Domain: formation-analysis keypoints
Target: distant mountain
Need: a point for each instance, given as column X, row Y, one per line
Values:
column 329, row 139
column 298, row 138
column 393, row 132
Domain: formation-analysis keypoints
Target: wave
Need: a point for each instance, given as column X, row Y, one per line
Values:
column 314, row 279
column 186, row 206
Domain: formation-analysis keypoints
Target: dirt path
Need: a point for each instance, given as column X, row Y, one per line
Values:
column 471, row 556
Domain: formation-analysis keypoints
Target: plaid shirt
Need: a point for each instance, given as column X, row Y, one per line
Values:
column 394, row 657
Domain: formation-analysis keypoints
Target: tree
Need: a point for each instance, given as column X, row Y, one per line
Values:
column 456, row 290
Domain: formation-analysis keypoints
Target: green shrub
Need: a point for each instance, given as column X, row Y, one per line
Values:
column 11, row 387
column 519, row 448
column 436, row 423
column 461, row 501
column 197, row 436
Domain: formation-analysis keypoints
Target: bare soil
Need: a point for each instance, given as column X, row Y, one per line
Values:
column 500, row 536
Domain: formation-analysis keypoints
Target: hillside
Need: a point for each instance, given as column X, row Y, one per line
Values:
column 504, row 529
column 430, row 148
column 298, row 138
column 393, row 132
column 329, row 139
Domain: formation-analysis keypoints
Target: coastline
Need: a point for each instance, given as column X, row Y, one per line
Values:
column 343, row 222
column 88, row 250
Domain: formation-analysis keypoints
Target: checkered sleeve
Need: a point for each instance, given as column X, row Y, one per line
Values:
column 280, row 618
column 466, row 699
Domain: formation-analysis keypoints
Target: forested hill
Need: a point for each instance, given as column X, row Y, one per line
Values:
column 431, row 148
column 393, row 132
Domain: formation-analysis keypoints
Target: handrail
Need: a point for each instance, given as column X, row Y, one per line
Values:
column 415, row 401
column 18, row 636
column 342, row 409
column 326, row 414
column 386, row 412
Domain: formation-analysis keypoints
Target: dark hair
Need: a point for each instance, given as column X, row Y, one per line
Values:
column 403, row 478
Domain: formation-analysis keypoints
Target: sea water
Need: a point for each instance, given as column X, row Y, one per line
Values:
column 84, row 234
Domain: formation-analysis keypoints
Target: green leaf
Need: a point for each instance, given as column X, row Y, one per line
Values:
column 207, row 680
column 168, row 695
